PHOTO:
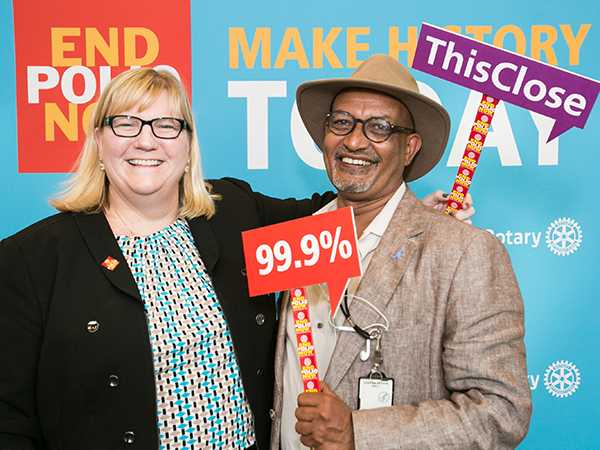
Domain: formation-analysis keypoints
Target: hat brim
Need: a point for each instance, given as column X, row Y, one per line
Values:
column 314, row 100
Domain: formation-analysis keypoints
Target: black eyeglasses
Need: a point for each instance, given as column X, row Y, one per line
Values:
column 131, row 126
column 375, row 129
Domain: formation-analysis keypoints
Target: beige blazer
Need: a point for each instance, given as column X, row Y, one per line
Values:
column 455, row 346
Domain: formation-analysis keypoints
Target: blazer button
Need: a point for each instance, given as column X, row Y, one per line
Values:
column 243, row 271
column 113, row 381
column 92, row 326
column 260, row 319
column 272, row 414
column 129, row 437
column 259, row 371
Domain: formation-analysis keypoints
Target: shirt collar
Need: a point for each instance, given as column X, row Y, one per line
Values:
column 381, row 221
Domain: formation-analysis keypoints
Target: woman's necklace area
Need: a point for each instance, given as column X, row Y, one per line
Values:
column 115, row 213
column 124, row 226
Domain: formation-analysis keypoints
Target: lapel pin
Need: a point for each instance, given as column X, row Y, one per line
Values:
column 399, row 254
column 110, row 263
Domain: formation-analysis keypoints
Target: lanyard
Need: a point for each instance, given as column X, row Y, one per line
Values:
column 370, row 333
column 346, row 311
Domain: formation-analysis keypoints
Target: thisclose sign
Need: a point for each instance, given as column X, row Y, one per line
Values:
column 548, row 90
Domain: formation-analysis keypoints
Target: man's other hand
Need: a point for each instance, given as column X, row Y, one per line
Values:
column 438, row 199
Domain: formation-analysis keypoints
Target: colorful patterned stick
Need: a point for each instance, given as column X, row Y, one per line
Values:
column 466, row 170
column 304, row 341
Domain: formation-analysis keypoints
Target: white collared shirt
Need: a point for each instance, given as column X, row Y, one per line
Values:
column 324, row 334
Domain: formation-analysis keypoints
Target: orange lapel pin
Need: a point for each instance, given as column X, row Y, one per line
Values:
column 110, row 263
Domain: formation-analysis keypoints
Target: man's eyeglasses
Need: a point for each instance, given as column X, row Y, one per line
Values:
column 375, row 129
column 131, row 126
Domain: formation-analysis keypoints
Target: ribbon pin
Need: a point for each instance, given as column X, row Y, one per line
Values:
column 110, row 263
column 399, row 254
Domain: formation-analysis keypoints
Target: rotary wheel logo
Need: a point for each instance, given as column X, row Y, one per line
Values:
column 563, row 236
column 562, row 379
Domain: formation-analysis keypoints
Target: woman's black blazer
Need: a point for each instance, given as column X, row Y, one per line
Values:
column 76, row 367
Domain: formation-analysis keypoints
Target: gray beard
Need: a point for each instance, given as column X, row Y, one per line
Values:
column 351, row 187
column 344, row 184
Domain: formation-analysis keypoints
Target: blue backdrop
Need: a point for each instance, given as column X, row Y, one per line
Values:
column 538, row 198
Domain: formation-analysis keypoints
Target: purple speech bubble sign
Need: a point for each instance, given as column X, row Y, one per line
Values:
column 557, row 93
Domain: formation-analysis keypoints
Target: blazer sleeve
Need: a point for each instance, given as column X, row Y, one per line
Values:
column 489, row 404
column 274, row 210
column 20, row 340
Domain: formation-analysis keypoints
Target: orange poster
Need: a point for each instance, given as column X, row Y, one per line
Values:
column 66, row 53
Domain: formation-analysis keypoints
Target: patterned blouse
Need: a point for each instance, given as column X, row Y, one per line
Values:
column 200, row 397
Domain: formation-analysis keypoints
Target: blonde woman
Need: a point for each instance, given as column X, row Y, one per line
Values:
column 125, row 318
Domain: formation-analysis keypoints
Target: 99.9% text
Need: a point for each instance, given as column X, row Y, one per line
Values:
column 280, row 256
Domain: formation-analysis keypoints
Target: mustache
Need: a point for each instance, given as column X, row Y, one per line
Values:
column 370, row 156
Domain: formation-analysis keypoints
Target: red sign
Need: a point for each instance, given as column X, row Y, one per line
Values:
column 303, row 252
column 66, row 53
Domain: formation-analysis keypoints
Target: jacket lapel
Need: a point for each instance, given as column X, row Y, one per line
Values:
column 206, row 242
column 102, row 245
column 385, row 271
column 280, row 350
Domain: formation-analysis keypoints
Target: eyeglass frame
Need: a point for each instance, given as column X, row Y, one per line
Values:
column 393, row 127
column 108, row 121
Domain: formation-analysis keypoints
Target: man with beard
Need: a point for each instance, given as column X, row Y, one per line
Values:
column 426, row 349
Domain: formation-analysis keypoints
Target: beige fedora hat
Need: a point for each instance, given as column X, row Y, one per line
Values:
column 384, row 74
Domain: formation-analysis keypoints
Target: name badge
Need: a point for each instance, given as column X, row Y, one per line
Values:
column 375, row 392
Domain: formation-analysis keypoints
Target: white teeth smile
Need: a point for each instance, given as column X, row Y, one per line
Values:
column 144, row 162
column 356, row 162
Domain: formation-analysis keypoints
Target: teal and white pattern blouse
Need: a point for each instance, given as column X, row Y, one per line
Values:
column 200, row 398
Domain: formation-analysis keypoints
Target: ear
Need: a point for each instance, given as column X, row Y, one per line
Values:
column 413, row 145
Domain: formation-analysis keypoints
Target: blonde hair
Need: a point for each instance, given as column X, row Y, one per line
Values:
column 87, row 188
